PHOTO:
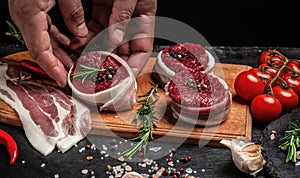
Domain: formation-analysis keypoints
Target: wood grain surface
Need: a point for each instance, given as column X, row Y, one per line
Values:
column 237, row 123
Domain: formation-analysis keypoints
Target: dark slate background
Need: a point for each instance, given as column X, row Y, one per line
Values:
column 222, row 23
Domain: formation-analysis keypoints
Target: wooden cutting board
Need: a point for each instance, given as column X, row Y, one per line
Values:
column 237, row 123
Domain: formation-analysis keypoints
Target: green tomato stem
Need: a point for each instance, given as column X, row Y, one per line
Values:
column 284, row 65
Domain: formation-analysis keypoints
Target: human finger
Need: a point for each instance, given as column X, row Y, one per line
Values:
column 79, row 42
column 37, row 40
column 140, row 43
column 60, row 44
column 73, row 14
column 121, row 12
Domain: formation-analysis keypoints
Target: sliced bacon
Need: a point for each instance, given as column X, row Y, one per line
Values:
column 50, row 117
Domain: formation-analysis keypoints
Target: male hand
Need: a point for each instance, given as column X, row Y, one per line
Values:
column 43, row 40
column 131, row 38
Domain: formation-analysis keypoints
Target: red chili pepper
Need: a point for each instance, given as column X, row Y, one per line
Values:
column 8, row 141
column 33, row 68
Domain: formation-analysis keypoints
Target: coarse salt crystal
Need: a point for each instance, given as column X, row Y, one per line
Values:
column 155, row 149
column 84, row 171
column 189, row 170
column 81, row 149
column 272, row 136
column 104, row 147
column 56, row 175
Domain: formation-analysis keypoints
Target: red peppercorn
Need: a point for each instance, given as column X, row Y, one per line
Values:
column 181, row 170
column 88, row 146
column 169, row 159
column 100, row 74
column 141, row 154
column 189, row 158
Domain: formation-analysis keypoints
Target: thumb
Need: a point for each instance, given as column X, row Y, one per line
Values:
column 122, row 11
column 73, row 14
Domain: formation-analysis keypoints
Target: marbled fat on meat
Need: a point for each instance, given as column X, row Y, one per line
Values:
column 50, row 117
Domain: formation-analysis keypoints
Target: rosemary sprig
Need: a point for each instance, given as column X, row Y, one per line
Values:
column 291, row 142
column 13, row 32
column 87, row 72
column 146, row 115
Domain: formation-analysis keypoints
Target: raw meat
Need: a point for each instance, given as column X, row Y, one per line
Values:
column 198, row 98
column 50, row 117
column 112, row 89
column 181, row 57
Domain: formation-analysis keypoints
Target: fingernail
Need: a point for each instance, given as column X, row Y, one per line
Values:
column 61, row 83
column 118, row 35
column 82, row 30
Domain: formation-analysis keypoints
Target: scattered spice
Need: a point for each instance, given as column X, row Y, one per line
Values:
column 89, row 158
column 88, row 146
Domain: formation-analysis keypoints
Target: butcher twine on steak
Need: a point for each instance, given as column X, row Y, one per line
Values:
column 50, row 117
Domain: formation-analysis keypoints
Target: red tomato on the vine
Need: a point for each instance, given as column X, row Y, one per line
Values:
column 264, row 76
column 270, row 54
column 268, row 69
column 247, row 85
column 292, row 66
column 265, row 108
column 293, row 81
column 288, row 98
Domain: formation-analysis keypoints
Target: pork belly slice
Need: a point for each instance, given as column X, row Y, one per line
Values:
column 50, row 117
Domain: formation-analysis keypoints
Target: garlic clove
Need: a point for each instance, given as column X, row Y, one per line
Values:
column 252, row 148
column 246, row 155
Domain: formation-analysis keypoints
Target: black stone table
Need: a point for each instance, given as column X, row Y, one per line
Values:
column 206, row 161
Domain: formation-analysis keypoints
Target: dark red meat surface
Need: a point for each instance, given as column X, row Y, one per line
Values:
column 196, row 89
column 97, row 84
column 186, row 56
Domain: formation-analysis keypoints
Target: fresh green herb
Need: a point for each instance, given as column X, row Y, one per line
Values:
column 13, row 32
column 87, row 72
column 146, row 115
column 291, row 142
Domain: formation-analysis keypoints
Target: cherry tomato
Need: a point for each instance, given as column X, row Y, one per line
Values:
column 268, row 69
column 265, row 108
column 294, row 81
column 264, row 76
column 270, row 54
column 288, row 98
column 247, row 85
column 292, row 66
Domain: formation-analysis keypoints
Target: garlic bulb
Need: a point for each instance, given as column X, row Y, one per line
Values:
column 246, row 155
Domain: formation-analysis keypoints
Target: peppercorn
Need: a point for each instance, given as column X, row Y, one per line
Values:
column 169, row 159
column 184, row 160
column 88, row 146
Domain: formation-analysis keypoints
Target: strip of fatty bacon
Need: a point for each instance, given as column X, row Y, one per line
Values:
column 50, row 117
